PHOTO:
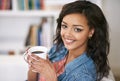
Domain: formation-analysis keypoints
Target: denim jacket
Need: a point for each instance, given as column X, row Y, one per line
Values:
column 81, row 68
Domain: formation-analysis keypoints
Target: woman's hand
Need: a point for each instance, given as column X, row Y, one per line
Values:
column 42, row 66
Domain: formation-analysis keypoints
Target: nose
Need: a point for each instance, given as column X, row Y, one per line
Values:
column 68, row 32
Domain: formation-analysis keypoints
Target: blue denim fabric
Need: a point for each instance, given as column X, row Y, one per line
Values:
column 55, row 56
column 80, row 69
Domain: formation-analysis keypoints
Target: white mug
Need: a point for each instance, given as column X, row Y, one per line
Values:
column 40, row 51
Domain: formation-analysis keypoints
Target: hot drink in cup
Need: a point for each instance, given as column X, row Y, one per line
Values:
column 40, row 51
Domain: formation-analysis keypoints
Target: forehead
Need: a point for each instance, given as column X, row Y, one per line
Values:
column 75, row 18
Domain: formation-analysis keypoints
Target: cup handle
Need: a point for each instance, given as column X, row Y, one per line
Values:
column 25, row 55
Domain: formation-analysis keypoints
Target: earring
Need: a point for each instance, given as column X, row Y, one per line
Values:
column 90, row 36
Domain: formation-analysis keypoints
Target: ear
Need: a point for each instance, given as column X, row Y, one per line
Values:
column 91, row 32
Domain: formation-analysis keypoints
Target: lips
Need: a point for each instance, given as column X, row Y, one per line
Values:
column 68, row 41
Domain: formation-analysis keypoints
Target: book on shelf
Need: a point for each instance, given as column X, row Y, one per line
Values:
column 21, row 4
column 37, row 4
column 5, row 4
column 40, row 34
column 30, row 4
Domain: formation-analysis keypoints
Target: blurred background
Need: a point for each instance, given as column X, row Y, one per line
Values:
column 25, row 23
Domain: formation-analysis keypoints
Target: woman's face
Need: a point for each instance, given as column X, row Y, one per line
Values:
column 75, row 32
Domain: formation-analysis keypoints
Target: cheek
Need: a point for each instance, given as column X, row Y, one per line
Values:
column 82, row 37
column 61, row 33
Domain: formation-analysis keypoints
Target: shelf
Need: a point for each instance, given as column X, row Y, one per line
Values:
column 29, row 13
column 15, row 24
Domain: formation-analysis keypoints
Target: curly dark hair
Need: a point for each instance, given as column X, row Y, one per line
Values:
column 98, row 46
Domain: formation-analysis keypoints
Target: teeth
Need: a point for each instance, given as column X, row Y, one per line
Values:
column 69, row 41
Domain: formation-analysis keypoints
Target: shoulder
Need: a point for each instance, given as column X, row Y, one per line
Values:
column 83, row 74
column 83, row 69
column 81, row 77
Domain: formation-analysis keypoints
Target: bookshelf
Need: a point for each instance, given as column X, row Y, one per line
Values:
column 15, row 24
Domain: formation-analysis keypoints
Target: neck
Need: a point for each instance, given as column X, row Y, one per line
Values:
column 73, row 54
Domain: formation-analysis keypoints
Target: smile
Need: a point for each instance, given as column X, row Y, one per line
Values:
column 69, row 41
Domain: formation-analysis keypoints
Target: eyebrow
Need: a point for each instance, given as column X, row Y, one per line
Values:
column 73, row 25
column 64, row 22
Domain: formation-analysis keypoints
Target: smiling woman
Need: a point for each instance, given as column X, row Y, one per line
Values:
column 80, row 49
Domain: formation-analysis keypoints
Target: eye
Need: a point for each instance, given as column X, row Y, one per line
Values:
column 63, row 26
column 77, row 29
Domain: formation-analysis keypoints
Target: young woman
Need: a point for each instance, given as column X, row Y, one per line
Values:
column 80, row 48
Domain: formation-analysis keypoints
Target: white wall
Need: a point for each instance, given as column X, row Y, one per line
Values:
column 112, row 13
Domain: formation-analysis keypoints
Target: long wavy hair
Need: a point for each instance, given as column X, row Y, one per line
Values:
column 98, row 45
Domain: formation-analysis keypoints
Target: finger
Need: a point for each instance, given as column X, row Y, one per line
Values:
column 28, row 48
column 37, row 67
column 32, row 60
column 29, row 59
column 47, row 56
column 32, row 69
column 37, row 57
column 26, row 58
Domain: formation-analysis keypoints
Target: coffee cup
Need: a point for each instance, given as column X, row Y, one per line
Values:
column 40, row 51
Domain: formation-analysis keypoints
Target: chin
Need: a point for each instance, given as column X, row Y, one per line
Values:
column 69, row 47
